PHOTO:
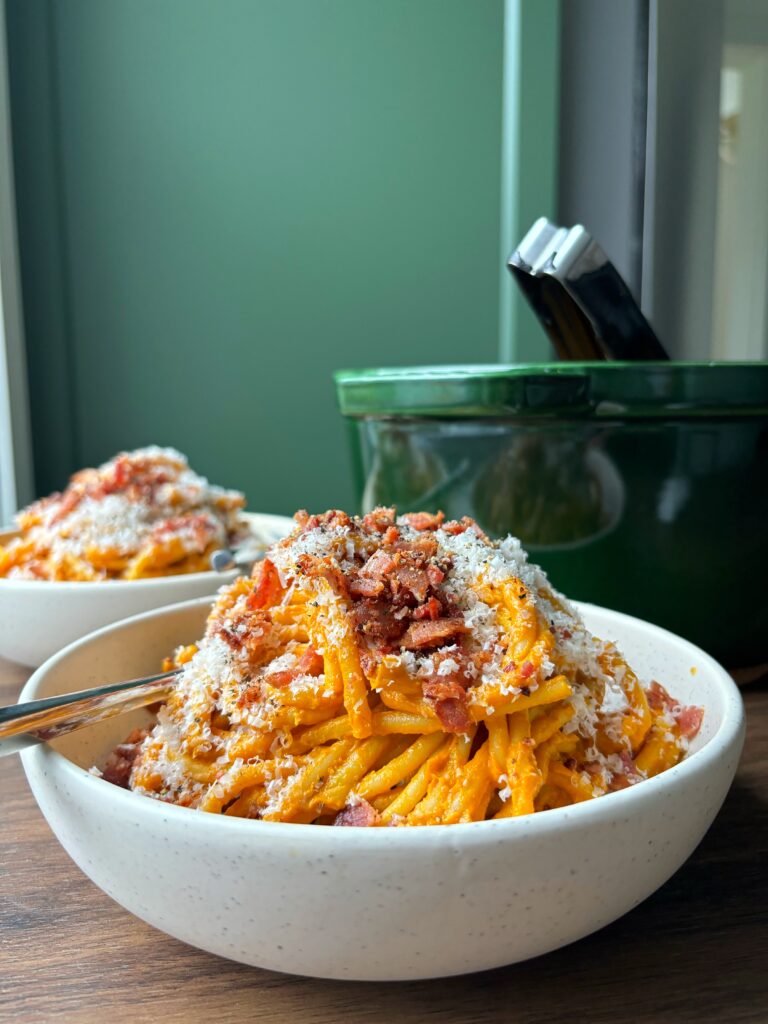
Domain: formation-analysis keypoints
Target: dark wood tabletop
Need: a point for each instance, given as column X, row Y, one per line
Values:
column 695, row 951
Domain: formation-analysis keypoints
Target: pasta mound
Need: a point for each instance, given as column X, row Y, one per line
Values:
column 143, row 513
column 398, row 671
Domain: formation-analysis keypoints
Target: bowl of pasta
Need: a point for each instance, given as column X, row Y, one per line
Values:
column 134, row 534
column 394, row 751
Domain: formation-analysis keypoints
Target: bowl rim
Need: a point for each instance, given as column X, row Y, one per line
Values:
column 729, row 736
column 265, row 519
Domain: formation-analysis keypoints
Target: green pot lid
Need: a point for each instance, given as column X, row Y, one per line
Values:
column 605, row 390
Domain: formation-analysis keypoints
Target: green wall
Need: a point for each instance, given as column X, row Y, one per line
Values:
column 221, row 201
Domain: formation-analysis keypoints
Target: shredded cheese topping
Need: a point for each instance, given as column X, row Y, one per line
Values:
column 143, row 513
column 400, row 671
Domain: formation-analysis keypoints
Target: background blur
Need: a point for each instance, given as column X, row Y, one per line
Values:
column 219, row 202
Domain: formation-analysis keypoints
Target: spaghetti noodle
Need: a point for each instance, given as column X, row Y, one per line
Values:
column 143, row 513
column 384, row 671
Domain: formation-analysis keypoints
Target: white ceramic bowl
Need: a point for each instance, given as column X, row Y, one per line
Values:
column 379, row 904
column 39, row 617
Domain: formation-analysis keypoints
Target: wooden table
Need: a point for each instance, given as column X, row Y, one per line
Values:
column 695, row 951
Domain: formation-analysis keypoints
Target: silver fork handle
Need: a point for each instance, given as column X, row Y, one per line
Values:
column 23, row 725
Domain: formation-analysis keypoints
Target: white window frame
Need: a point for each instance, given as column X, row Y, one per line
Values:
column 16, row 474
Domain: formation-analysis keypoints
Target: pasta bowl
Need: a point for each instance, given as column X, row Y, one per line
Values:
column 39, row 617
column 378, row 903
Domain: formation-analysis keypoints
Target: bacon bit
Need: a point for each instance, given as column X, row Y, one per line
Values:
column 357, row 815
column 422, row 547
column 443, row 688
column 435, row 575
column 630, row 775
column 199, row 525
column 328, row 569
column 455, row 527
column 424, row 520
column 121, row 474
column 480, row 658
column 328, row 520
column 412, row 579
column 69, row 502
column 566, row 634
column 379, row 565
column 658, row 698
column 390, row 535
column 376, row 620
column 527, row 669
column 432, row 633
column 309, row 664
column 250, row 695
column 430, row 610
column 510, row 666
column 453, row 715
column 689, row 719
column 245, row 631
column 368, row 661
column 618, row 782
column 267, row 586
column 120, row 762
column 379, row 519
column 362, row 586
column 282, row 678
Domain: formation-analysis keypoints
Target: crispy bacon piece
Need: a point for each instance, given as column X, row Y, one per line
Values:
column 527, row 669
column 328, row 568
column 411, row 579
column 424, row 520
column 689, row 719
column 266, row 585
column 452, row 686
column 658, row 698
column 628, row 777
column 432, row 633
column 357, row 815
column 379, row 565
column 250, row 695
column 435, row 574
column 121, row 473
column 368, row 660
column 390, row 535
column 200, row 525
column 456, row 527
column 443, row 688
column 363, row 586
column 688, row 716
column 332, row 518
column 133, row 474
column 69, row 502
column 120, row 762
column 244, row 631
column 453, row 715
column 422, row 547
column 430, row 610
column 376, row 619
column 309, row 664
column 378, row 520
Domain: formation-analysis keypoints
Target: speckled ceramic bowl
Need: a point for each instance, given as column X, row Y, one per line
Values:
column 379, row 904
column 39, row 617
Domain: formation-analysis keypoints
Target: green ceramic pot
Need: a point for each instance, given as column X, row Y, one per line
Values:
column 641, row 487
